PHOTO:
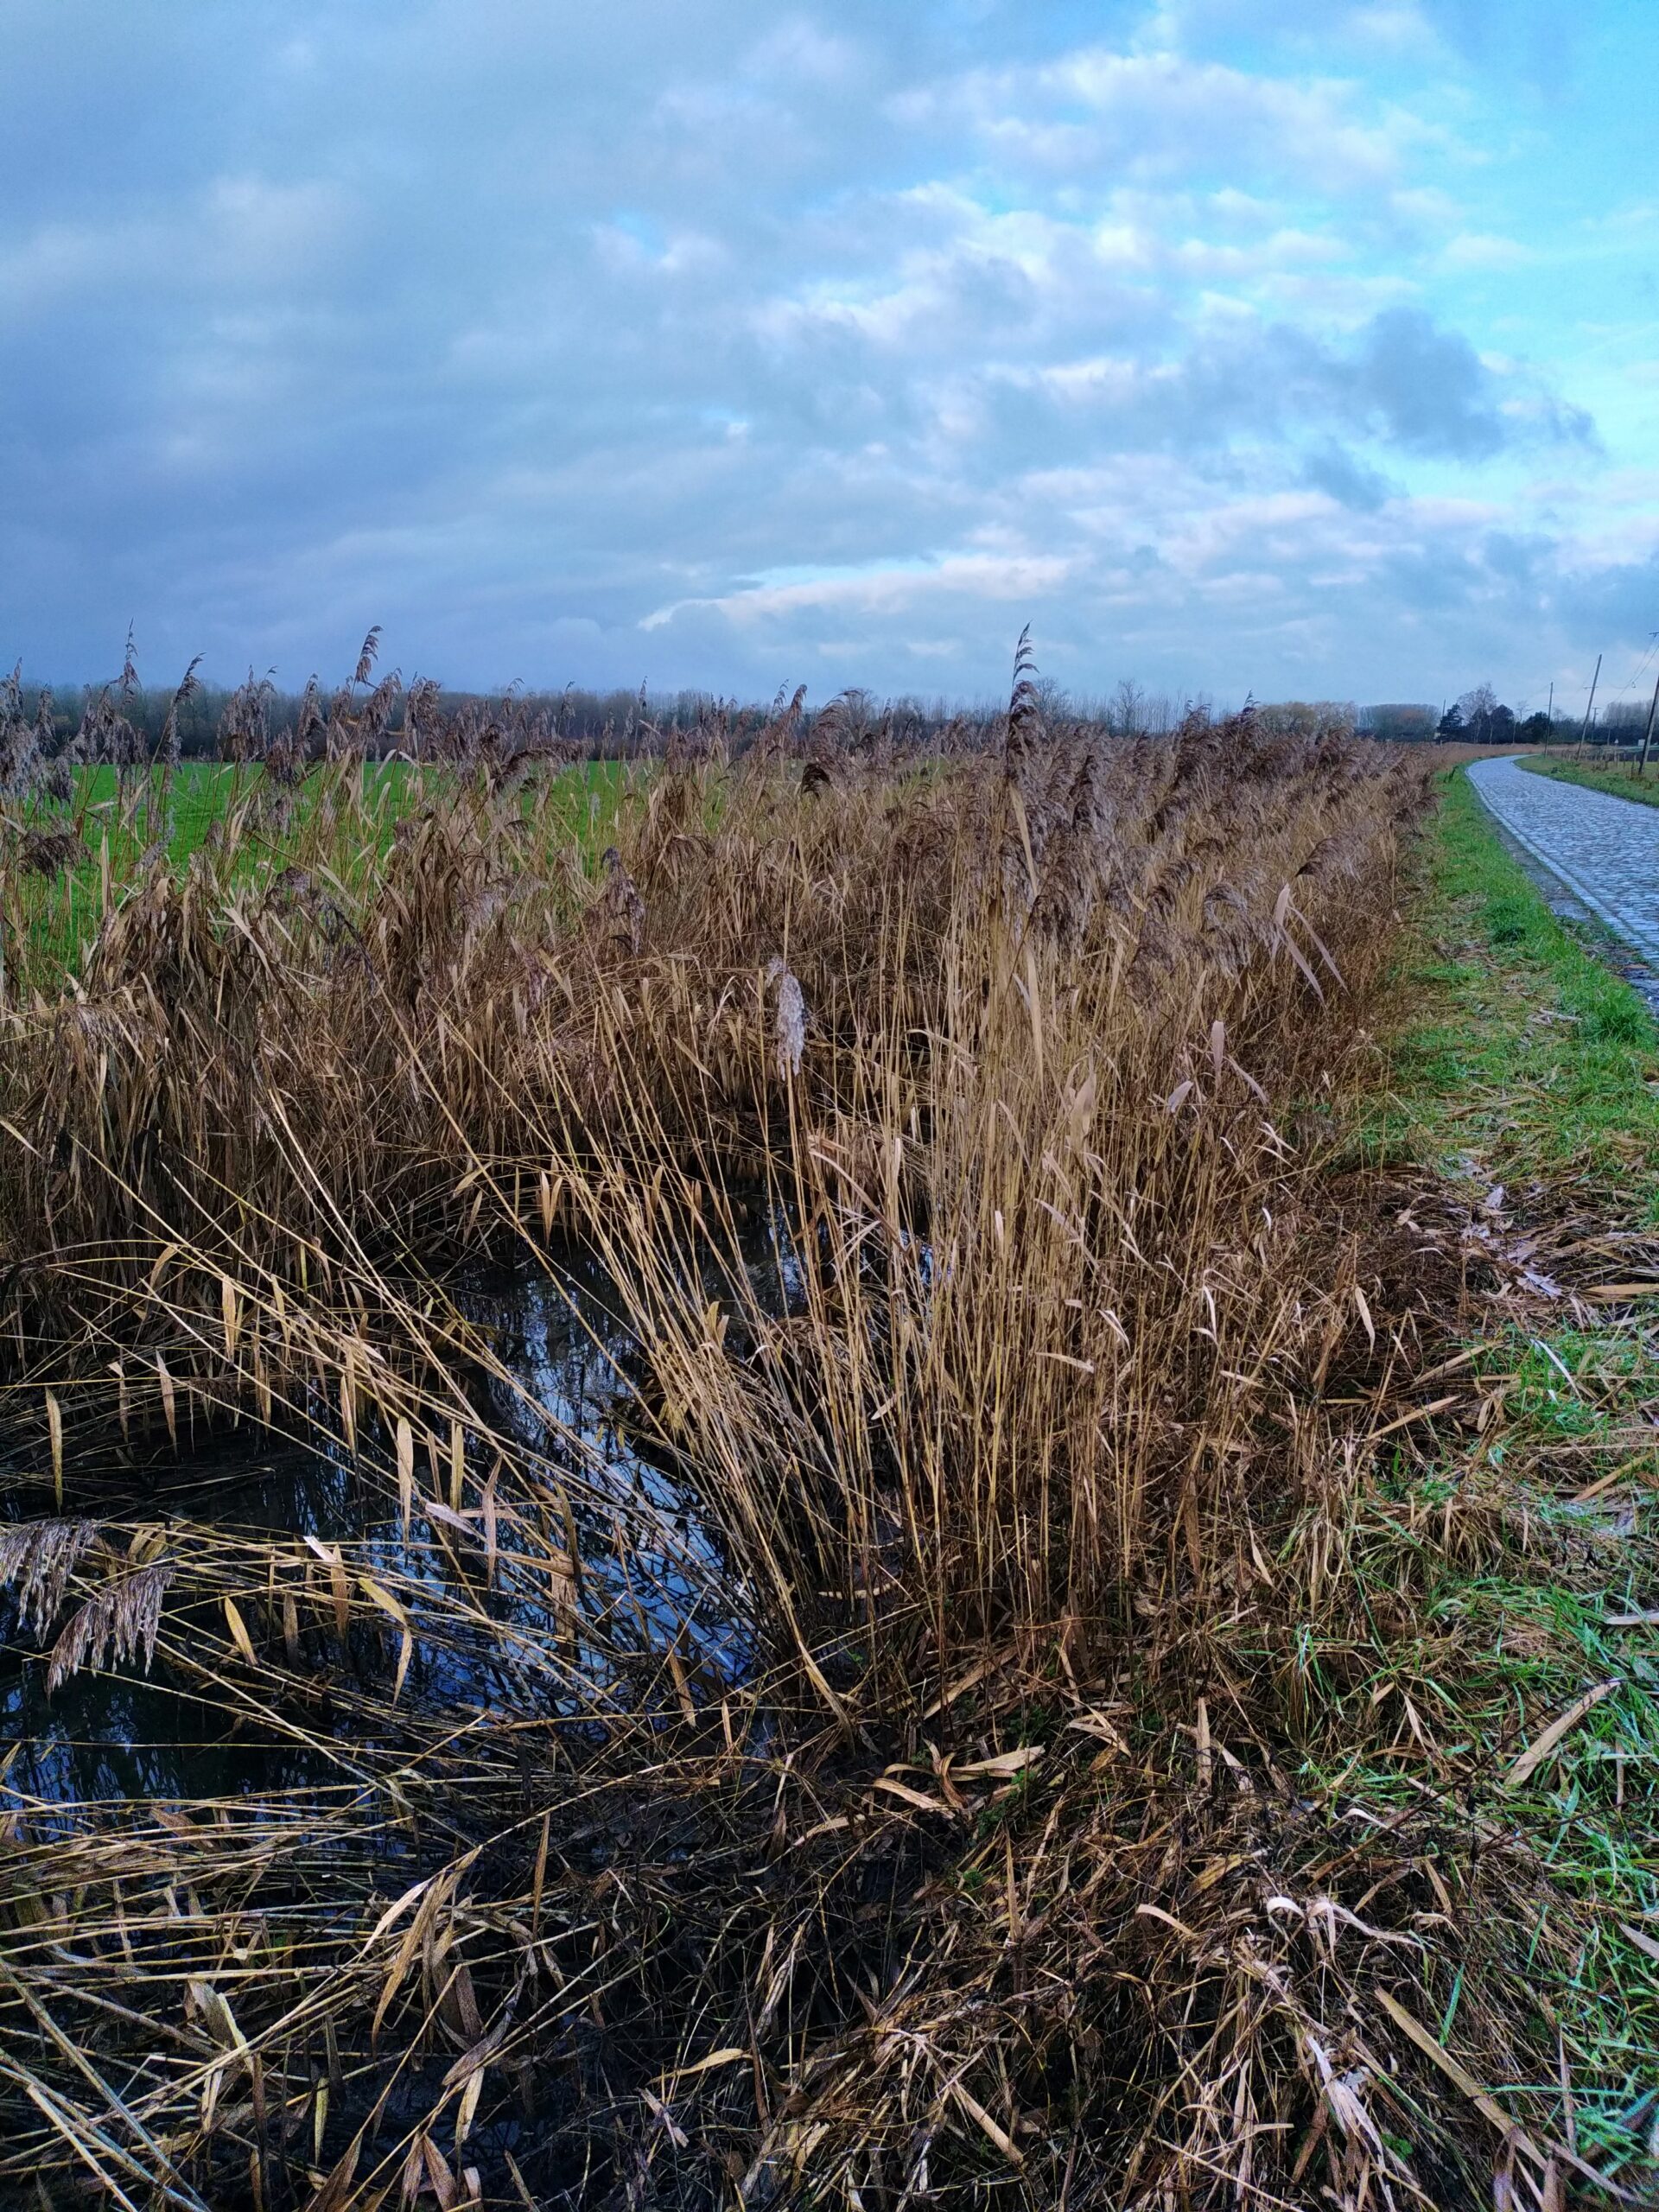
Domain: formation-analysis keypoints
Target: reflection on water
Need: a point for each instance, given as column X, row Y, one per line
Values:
column 121, row 1732
column 493, row 1636
column 120, row 1736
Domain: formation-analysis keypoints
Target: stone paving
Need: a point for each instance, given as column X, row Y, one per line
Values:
column 1605, row 851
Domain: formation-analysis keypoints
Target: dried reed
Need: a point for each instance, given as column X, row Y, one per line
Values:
column 867, row 1805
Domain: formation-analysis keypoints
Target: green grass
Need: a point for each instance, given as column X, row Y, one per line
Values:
column 1620, row 782
column 1526, row 1054
column 204, row 791
column 1494, row 1652
column 1523, row 1060
column 334, row 824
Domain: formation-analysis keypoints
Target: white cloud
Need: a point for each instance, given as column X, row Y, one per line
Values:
column 896, row 588
column 801, row 51
column 1477, row 251
column 740, row 341
column 1103, row 111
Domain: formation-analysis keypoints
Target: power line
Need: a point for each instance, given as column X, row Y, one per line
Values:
column 1632, row 680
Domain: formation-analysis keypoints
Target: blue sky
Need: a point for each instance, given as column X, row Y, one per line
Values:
column 1235, row 344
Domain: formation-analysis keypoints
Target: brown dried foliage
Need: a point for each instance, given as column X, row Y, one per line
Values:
column 977, row 1879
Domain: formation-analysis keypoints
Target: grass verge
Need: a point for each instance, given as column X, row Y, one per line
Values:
column 1525, row 1051
column 1523, row 1080
column 1616, row 782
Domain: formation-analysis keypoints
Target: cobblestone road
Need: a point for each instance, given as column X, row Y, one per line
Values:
column 1605, row 851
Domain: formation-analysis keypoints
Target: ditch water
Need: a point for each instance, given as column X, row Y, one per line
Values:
column 498, row 1658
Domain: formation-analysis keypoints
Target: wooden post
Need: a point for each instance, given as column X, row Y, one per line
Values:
column 1647, row 735
column 1591, row 708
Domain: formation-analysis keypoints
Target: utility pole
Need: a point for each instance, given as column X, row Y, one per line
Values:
column 1591, row 708
column 1647, row 735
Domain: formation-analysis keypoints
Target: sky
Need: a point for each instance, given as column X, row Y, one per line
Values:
column 1293, row 347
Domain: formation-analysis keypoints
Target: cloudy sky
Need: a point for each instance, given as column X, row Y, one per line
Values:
column 1296, row 346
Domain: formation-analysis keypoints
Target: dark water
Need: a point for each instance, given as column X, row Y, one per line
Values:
column 493, row 1667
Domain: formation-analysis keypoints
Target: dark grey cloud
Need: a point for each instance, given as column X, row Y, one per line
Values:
column 1333, row 469
column 1425, row 388
column 1402, row 382
column 1618, row 601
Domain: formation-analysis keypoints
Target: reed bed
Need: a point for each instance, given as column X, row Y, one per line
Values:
column 838, row 1754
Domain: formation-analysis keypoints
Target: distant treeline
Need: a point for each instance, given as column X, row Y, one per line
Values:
column 599, row 723
column 129, row 721
column 1480, row 718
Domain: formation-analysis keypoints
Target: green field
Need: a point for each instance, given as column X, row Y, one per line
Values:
column 337, row 823
column 204, row 793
